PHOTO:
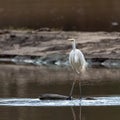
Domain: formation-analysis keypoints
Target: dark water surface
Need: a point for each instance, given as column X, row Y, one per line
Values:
column 58, row 113
column 18, row 81
column 66, row 14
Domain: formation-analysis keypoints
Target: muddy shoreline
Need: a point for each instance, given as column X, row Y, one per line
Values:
column 51, row 46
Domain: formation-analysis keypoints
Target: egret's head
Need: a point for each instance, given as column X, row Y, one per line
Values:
column 72, row 39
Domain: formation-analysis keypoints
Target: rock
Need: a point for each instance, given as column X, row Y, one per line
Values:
column 53, row 97
column 56, row 59
column 44, row 29
column 4, row 32
column 111, row 63
column 90, row 98
column 13, row 36
column 22, row 60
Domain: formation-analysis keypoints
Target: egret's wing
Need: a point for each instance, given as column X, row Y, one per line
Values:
column 74, row 61
column 82, row 61
column 77, row 60
column 71, row 59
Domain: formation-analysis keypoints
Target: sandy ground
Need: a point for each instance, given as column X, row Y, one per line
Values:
column 41, row 43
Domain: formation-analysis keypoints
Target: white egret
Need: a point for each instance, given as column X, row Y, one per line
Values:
column 77, row 62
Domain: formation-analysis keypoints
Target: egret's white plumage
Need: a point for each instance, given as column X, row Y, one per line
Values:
column 77, row 61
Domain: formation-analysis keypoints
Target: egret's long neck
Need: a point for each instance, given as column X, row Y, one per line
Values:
column 74, row 45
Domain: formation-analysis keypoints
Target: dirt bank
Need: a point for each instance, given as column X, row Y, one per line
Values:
column 41, row 43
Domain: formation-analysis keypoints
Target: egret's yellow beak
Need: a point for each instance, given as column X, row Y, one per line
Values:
column 71, row 39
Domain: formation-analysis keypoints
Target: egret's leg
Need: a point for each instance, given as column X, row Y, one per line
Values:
column 80, row 112
column 80, row 89
column 73, row 113
column 71, row 91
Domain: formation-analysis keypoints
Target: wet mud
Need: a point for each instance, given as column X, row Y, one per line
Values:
column 51, row 47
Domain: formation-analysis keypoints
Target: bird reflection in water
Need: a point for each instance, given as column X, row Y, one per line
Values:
column 76, row 115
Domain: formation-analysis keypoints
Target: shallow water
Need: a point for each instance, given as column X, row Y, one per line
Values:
column 21, row 85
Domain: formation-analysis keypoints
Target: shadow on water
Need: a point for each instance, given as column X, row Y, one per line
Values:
column 31, row 81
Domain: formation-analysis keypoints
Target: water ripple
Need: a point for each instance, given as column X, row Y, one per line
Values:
column 97, row 101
